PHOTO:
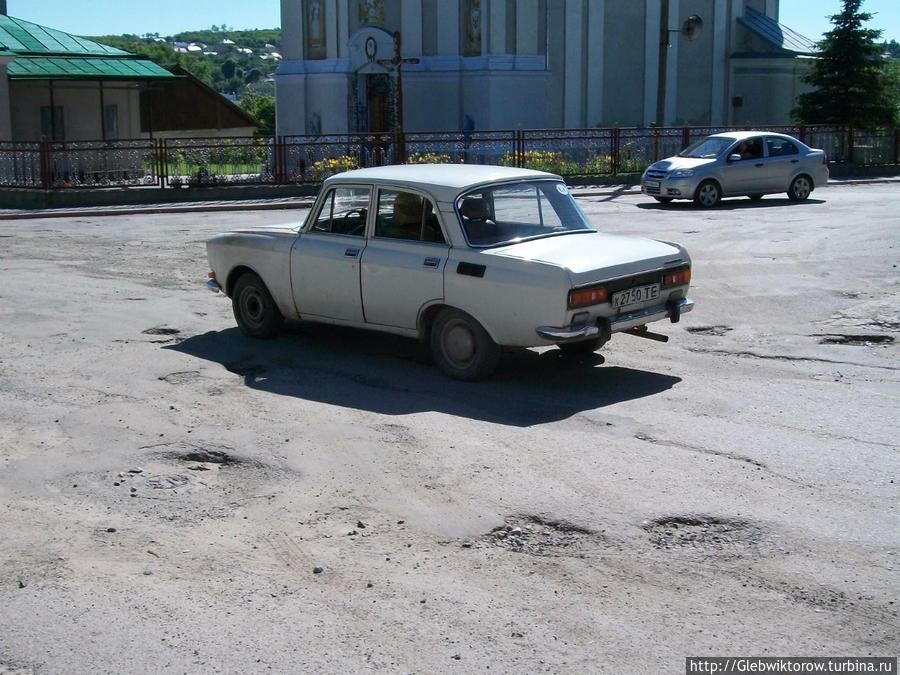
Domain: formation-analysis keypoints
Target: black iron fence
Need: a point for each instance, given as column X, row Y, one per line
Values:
column 279, row 160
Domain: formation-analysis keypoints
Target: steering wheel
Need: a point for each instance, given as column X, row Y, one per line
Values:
column 349, row 227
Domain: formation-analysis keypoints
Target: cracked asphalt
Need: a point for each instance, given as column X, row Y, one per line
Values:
column 176, row 498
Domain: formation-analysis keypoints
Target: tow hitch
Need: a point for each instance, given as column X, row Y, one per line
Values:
column 641, row 331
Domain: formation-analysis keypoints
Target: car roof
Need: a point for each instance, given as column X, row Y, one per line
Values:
column 741, row 135
column 442, row 181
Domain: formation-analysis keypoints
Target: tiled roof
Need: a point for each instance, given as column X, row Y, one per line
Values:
column 775, row 33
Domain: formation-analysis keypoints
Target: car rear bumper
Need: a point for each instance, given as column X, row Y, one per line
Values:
column 671, row 310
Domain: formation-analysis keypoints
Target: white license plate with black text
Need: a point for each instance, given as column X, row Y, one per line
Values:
column 635, row 295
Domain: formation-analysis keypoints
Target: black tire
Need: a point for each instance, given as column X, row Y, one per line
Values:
column 255, row 311
column 707, row 195
column 755, row 198
column 583, row 348
column 461, row 347
column 800, row 188
column 663, row 200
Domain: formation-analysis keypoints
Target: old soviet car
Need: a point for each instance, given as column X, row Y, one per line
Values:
column 468, row 258
column 737, row 163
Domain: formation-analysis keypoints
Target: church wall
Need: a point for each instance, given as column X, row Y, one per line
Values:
column 695, row 64
column 623, row 66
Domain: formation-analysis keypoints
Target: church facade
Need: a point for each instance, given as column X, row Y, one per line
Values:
column 365, row 65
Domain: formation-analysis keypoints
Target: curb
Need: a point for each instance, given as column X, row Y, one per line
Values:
column 304, row 203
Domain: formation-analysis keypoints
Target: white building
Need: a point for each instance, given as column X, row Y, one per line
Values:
column 507, row 64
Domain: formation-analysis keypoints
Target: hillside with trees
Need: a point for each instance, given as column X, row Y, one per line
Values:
column 236, row 63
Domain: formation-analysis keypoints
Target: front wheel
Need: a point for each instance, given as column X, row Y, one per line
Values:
column 461, row 347
column 708, row 194
column 799, row 189
column 255, row 311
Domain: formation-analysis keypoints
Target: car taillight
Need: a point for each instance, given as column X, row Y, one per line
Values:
column 676, row 278
column 824, row 158
column 582, row 297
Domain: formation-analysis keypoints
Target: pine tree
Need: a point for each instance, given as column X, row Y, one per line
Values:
column 851, row 85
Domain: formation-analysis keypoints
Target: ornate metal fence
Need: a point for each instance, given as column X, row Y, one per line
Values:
column 279, row 160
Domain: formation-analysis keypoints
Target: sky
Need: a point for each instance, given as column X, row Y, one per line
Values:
column 167, row 17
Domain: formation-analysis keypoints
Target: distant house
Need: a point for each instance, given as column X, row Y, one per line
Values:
column 57, row 86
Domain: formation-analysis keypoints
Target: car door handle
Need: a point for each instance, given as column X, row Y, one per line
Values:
column 351, row 252
column 759, row 164
column 795, row 161
column 432, row 262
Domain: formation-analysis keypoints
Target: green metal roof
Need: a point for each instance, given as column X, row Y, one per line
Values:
column 84, row 68
column 42, row 53
column 24, row 37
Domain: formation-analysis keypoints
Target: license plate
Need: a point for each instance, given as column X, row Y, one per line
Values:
column 635, row 295
column 652, row 184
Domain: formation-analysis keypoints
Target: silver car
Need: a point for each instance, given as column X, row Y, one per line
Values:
column 741, row 163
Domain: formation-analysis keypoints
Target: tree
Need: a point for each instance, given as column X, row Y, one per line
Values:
column 262, row 107
column 851, row 86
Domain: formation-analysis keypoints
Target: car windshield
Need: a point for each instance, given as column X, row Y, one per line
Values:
column 505, row 214
column 707, row 148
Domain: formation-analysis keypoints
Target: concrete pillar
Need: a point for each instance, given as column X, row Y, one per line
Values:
column 575, row 55
column 719, row 103
column 411, row 28
column 527, row 26
column 594, row 35
column 448, row 29
column 332, row 39
column 651, row 61
column 497, row 26
column 291, row 29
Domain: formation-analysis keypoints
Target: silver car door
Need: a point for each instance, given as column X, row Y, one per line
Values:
column 782, row 163
column 403, row 264
column 325, row 260
column 747, row 175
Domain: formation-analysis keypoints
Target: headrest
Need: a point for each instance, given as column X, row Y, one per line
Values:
column 407, row 209
column 475, row 208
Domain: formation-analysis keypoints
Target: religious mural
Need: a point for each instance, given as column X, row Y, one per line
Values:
column 315, row 29
column 371, row 12
column 473, row 28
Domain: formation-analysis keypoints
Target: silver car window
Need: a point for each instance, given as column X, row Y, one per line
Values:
column 343, row 211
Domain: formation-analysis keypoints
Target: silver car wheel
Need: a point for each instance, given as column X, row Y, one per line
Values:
column 800, row 189
column 707, row 195
column 461, row 346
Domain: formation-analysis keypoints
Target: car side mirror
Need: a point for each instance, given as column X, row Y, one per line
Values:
column 734, row 158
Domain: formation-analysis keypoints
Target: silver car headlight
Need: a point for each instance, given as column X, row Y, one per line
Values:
column 681, row 173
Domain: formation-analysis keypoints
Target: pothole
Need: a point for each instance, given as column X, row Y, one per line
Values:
column 536, row 535
column 169, row 482
column 204, row 455
column 182, row 377
column 858, row 340
column 159, row 330
column 703, row 532
column 709, row 330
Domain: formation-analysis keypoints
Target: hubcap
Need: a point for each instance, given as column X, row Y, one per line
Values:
column 252, row 306
column 708, row 195
column 801, row 188
column 459, row 343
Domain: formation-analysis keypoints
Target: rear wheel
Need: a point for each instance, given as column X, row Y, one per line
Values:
column 708, row 194
column 800, row 188
column 461, row 347
column 255, row 311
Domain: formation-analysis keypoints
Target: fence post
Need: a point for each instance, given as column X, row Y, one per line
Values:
column 850, row 145
column 802, row 133
column 897, row 146
column 685, row 137
column 44, row 154
column 616, row 159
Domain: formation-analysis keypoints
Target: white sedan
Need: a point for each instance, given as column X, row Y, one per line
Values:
column 468, row 258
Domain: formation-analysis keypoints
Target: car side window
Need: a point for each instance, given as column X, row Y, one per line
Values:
column 750, row 148
column 344, row 211
column 779, row 147
column 407, row 215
